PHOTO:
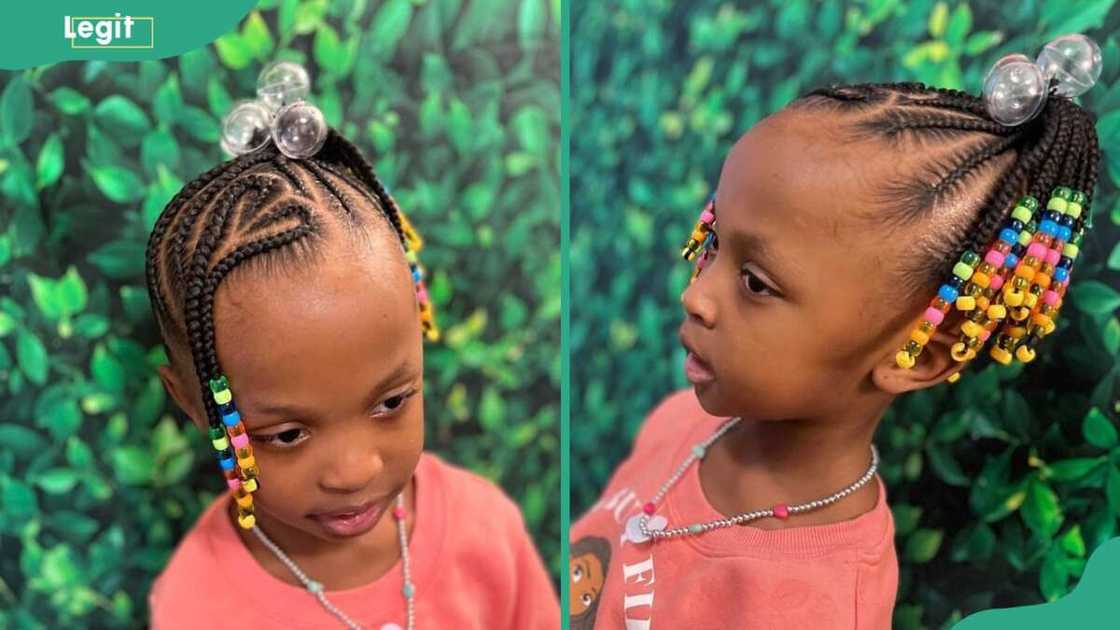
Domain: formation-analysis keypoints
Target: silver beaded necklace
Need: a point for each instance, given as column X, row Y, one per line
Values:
column 645, row 526
column 316, row 588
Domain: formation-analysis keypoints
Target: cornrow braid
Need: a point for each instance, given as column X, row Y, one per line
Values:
column 256, row 204
column 1027, row 251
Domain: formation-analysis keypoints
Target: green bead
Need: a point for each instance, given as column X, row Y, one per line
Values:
column 1070, row 251
column 1057, row 204
column 1025, row 238
column 1074, row 209
column 1021, row 213
column 1064, row 192
column 223, row 396
column 695, row 529
column 1029, row 202
column 1078, row 197
column 217, row 432
column 962, row 271
column 221, row 443
column 408, row 590
column 218, row 384
column 1076, row 238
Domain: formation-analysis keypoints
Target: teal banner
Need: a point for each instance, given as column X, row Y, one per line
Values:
column 50, row 32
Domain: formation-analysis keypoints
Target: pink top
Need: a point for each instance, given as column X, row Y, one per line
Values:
column 839, row 575
column 473, row 564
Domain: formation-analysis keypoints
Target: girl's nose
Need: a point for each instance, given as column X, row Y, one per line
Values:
column 353, row 468
column 698, row 302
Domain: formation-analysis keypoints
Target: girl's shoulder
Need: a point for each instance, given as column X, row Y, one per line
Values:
column 468, row 491
column 192, row 563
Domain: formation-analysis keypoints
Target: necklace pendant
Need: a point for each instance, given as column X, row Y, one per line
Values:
column 634, row 527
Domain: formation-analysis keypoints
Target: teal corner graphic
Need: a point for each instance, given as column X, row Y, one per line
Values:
column 50, row 32
column 1089, row 605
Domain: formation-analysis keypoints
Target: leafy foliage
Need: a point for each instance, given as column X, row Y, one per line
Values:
column 458, row 105
column 1002, row 484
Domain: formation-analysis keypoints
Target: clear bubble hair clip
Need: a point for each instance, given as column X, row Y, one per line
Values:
column 1016, row 88
column 279, row 113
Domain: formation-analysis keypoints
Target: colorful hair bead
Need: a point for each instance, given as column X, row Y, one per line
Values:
column 700, row 238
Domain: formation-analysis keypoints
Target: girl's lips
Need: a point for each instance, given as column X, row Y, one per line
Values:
column 351, row 524
column 697, row 371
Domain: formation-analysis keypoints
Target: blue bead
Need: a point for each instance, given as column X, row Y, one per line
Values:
column 408, row 590
column 1064, row 233
column 1010, row 260
column 416, row 275
column 1048, row 227
column 232, row 419
column 948, row 293
column 1008, row 236
column 956, row 282
column 1061, row 274
column 227, row 408
column 1067, row 220
column 1065, row 262
column 1015, row 224
column 226, row 461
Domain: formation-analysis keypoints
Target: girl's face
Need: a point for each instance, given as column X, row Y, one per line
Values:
column 794, row 313
column 326, row 368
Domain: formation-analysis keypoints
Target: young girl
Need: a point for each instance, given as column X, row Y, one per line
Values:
column 752, row 501
column 288, row 293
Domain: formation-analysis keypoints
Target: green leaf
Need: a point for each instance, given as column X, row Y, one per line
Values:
column 1041, row 510
column 1072, row 542
column 21, row 440
column 7, row 324
column 51, row 161
column 45, row 296
column 1074, row 468
column 159, row 148
column 1112, row 490
column 1053, row 579
column 16, row 116
column 121, row 260
column 57, row 411
column 31, row 357
column 256, row 36
column 123, row 119
column 1098, row 429
column 532, row 18
column 71, row 292
column 922, row 545
column 491, row 410
column 57, row 480
column 18, row 499
column 389, row 25
column 106, row 369
column 981, row 41
column 118, row 184
column 1095, row 297
column 960, row 23
column 132, row 465
column 530, row 124
column 946, row 466
column 168, row 101
column 69, row 101
column 906, row 518
column 200, row 124
column 234, row 51
column 78, row 454
column 218, row 98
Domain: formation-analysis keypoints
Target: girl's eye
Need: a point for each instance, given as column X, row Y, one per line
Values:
column 284, row 439
column 393, row 403
column 577, row 573
column 754, row 285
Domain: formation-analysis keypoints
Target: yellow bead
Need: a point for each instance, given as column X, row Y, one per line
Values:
column 919, row 336
column 1001, row 355
column 966, row 303
column 954, row 377
column 250, row 485
column 997, row 311
column 961, row 353
column 1029, row 300
column 244, row 499
column 246, row 521
column 1020, row 313
column 1013, row 297
column 220, row 444
column 1049, row 326
column 247, row 462
column 982, row 302
column 904, row 360
column 1024, row 354
column 223, row 397
column 971, row 328
column 1017, row 332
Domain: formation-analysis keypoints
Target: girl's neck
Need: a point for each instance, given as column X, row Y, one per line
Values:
column 758, row 464
column 337, row 565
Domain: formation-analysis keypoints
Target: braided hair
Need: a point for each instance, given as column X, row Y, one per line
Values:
column 1058, row 147
column 258, row 203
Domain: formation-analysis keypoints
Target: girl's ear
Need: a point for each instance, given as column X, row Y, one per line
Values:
column 934, row 364
column 177, row 389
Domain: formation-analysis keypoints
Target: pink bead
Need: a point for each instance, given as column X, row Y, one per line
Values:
column 996, row 283
column 995, row 258
column 707, row 217
column 781, row 511
column 240, row 441
column 934, row 316
column 233, row 484
column 1050, row 297
column 399, row 513
column 1053, row 256
column 649, row 508
column 422, row 295
column 984, row 334
column 1038, row 250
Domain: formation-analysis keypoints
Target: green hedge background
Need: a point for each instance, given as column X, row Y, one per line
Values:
column 1002, row 484
column 456, row 102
